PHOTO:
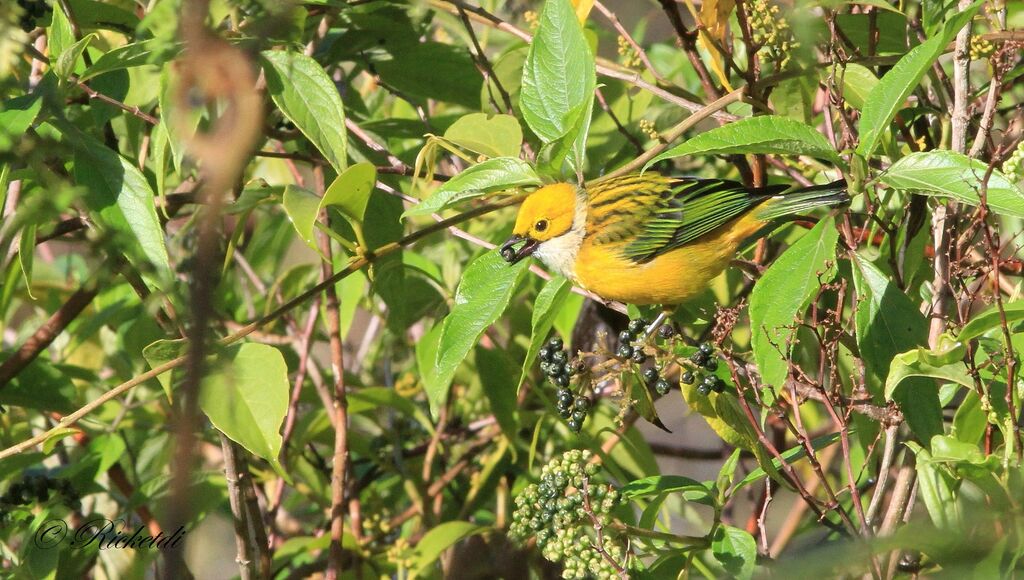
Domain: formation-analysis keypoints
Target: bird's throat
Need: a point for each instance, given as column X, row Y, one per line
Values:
column 560, row 253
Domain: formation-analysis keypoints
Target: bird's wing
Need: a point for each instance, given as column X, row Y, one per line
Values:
column 688, row 210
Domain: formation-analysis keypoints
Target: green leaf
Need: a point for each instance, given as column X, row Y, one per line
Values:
column 350, row 191
column 762, row 134
column 991, row 318
column 56, row 436
column 559, row 75
column 247, row 398
column 65, row 65
column 439, row 539
column 492, row 175
column 41, row 385
column 160, row 352
column 937, row 486
column 302, row 207
column 17, row 115
column 490, row 135
column 485, row 291
column 953, row 175
column 59, row 36
column 783, row 292
column 970, row 419
column 118, row 194
column 889, row 323
column 497, row 377
column 736, row 550
column 914, row 364
column 127, row 56
column 791, row 455
column 858, row 82
column 897, row 84
column 307, row 96
column 432, row 70
column 691, row 489
column 545, row 308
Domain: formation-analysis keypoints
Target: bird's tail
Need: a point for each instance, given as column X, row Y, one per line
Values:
column 801, row 200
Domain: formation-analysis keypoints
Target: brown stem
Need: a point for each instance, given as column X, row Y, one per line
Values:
column 48, row 331
column 243, row 541
column 485, row 65
column 339, row 469
column 689, row 41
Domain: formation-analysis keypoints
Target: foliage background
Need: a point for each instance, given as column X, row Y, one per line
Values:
column 289, row 328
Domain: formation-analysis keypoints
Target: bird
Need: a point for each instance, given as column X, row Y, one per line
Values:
column 652, row 239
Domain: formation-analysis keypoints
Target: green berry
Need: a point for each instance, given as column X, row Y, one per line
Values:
column 579, row 416
column 712, row 365
column 561, row 380
column 626, row 337
column 564, row 395
column 582, row 404
column 703, row 389
column 565, row 413
column 651, row 375
column 574, row 425
column 706, row 348
column 625, row 351
column 636, row 326
column 687, row 378
column 662, row 387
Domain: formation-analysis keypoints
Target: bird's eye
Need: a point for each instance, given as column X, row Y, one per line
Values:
column 541, row 225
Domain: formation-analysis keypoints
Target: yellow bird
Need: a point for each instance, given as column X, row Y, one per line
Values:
column 651, row 239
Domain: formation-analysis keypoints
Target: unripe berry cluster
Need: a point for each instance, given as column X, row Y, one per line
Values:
column 648, row 128
column 981, row 48
column 556, row 364
column 771, row 31
column 1013, row 168
column 630, row 57
column 555, row 511
column 704, row 359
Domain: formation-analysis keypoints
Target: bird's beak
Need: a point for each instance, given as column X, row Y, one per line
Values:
column 512, row 255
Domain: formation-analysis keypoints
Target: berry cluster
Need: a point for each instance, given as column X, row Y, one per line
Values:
column 1013, row 166
column 33, row 11
column 36, row 488
column 559, row 511
column 705, row 360
column 660, row 384
column 555, row 363
column 626, row 350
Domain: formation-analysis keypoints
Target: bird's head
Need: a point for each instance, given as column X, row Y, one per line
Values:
column 545, row 215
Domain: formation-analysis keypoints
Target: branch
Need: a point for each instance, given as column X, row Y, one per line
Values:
column 354, row 265
column 45, row 334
